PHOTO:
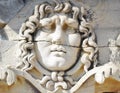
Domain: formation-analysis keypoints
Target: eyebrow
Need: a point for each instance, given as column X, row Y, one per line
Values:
column 72, row 23
column 46, row 21
column 49, row 21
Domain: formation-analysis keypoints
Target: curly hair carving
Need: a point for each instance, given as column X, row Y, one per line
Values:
column 44, row 10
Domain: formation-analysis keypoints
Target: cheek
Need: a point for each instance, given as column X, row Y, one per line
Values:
column 42, row 48
column 74, row 39
column 42, row 36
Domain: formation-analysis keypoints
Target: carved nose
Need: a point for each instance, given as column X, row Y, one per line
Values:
column 57, row 36
column 57, row 41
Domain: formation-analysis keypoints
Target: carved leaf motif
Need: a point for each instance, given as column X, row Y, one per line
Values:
column 99, row 78
column 7, row 75
column 10, row 77
column 106, row 71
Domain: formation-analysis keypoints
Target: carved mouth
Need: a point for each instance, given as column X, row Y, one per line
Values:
column 58, row 51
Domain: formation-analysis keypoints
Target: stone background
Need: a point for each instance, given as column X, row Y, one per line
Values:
column 14, row 12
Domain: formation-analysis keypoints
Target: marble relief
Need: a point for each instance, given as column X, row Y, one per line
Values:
column 58, row 41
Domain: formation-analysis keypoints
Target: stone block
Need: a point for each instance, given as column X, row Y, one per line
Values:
column 104, row 34
column 8, row 53
column 9, row 8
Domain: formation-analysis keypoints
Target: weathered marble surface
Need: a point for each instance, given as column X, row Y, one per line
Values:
column 107, row 14
column 8, row 9
column 107, row 27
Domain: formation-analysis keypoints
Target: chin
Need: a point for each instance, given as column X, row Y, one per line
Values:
column 57, row 65
column 57, row 68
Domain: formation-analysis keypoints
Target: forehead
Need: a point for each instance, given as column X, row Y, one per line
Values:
column 59, row 19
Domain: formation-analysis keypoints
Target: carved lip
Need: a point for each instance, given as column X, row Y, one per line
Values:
column 58, row 51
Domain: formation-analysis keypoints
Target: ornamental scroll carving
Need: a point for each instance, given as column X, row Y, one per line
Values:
column 57, row 40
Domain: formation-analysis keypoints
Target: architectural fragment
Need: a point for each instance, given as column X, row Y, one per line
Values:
column 57, row 50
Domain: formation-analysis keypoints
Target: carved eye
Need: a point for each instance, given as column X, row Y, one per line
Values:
column 68, row 29
column 46, row 29
column 53, row 26
column 71, row 30
column 49, row 28
column 65, row 27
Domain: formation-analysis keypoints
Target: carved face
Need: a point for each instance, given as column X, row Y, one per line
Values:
column 57, row 43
